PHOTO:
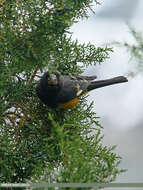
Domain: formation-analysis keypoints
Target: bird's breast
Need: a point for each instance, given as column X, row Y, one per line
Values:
column 70, row 104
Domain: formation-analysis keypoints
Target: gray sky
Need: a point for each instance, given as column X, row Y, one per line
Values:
column 119, row 106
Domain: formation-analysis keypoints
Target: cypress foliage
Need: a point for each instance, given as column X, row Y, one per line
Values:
column 36, row 142
column 135, row 51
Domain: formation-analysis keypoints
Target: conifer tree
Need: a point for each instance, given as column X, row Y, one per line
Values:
column 136, row 51
column 36, row 142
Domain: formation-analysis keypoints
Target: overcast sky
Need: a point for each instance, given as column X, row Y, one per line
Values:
column 119, row 106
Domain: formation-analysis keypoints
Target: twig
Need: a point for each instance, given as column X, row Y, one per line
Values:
column 19, row 78
column 38, row 76
column 33, row 75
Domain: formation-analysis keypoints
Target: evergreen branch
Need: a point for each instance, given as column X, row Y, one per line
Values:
column 43, row 143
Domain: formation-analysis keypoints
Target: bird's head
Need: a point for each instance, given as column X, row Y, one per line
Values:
column 52, row 78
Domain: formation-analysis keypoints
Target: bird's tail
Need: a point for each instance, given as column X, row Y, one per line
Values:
column 107, row 82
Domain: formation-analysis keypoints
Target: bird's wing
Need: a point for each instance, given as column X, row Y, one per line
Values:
column 89, row 78
column 71, row 87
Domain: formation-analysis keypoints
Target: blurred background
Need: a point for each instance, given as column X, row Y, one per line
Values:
column 119, row 106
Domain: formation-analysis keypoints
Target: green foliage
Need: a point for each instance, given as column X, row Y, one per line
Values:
column 136, row 52
column 37, row 142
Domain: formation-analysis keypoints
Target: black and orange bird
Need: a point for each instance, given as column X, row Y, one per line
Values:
column 64, row 91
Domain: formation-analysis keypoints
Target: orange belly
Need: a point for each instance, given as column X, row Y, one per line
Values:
column 70, row 104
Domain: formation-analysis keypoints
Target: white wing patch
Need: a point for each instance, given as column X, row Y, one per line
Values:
column 79, row 92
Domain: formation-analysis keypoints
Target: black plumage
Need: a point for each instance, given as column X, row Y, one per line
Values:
column 56, row 90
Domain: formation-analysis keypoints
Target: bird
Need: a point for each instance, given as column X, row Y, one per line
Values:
column 64, row 91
